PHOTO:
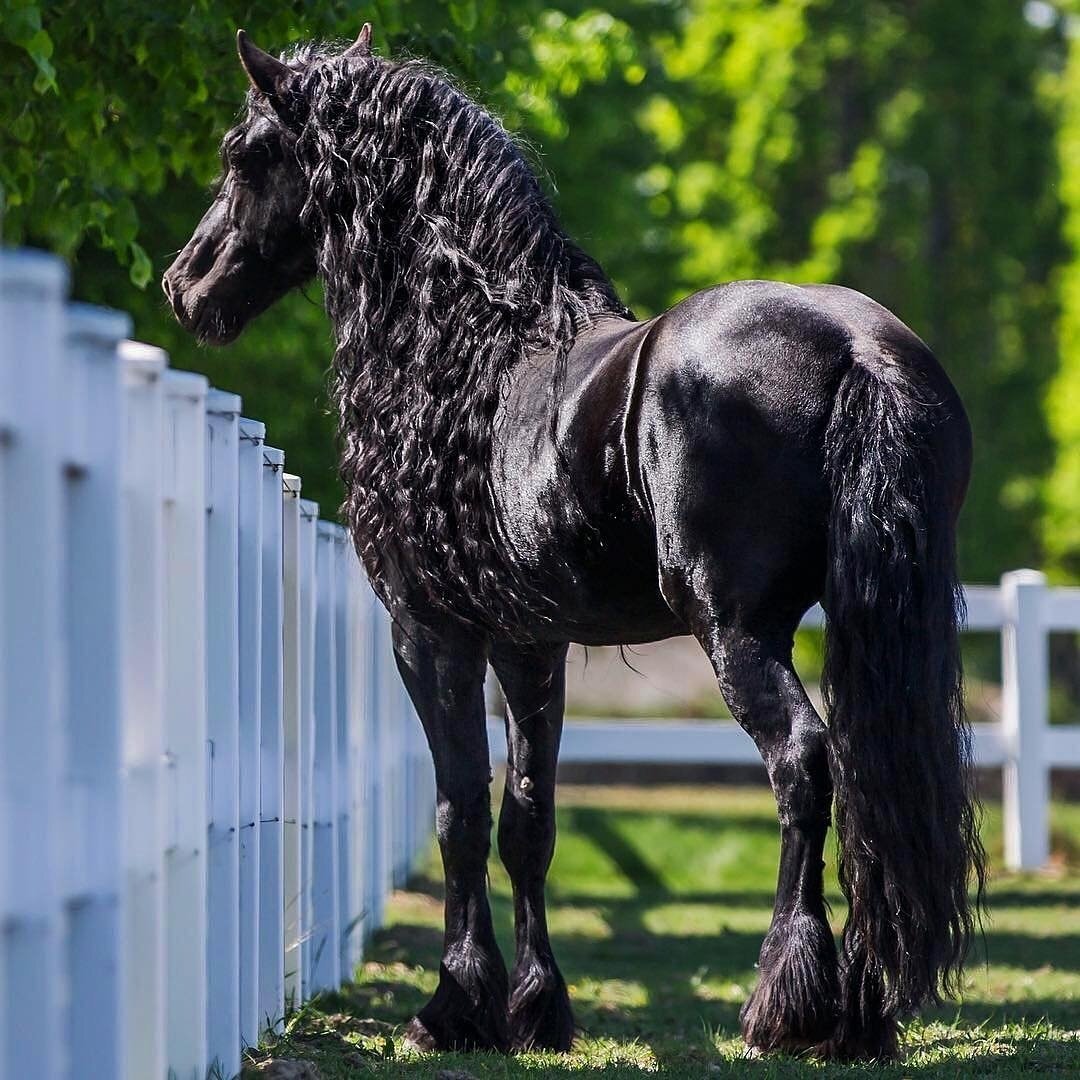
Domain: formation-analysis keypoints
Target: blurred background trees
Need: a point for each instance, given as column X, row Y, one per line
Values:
column 926, row 153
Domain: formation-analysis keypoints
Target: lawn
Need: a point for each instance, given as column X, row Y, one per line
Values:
column 659, row 899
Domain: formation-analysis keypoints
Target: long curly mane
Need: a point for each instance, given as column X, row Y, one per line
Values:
column 443, row 265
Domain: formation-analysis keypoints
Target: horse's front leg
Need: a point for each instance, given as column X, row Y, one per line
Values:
column 533, row 681
column 444, row 673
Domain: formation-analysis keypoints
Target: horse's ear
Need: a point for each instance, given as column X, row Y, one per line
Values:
column 266, row 72
column 361, row 47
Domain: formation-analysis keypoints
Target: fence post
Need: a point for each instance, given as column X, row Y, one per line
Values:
column 93, row 563
column 144, row 723
column 32, row 288
column 1025, row 701
column 250, row 592
column 185, row 721
column 309, row 517
column 346, row 845
column 359, row 726
column 326, row 927
column 272, row 937
column 293, row 743
column 223, row 730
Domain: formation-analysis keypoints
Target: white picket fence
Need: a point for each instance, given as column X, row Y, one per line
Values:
column 210, row 777
column 1023, row 609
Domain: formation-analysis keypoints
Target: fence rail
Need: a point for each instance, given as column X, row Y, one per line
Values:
column 210, row 776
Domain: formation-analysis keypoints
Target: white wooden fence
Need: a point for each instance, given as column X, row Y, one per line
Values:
column 210, row 777
column 1022, row 743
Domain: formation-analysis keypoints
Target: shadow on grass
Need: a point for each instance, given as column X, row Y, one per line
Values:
column 657, row 993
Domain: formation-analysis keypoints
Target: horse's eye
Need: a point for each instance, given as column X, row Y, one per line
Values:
column 246, row 169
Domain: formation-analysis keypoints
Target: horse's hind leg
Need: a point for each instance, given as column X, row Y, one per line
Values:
column 444, row 675
column 794, row 1006
column 533, row 681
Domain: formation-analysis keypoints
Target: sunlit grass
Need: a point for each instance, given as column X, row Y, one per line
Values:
column 659, row 899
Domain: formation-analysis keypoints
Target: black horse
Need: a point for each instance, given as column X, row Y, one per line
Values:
column 526, row 465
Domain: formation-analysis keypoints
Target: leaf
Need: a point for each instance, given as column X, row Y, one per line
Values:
column 464, row 14
column 21, row 25
column 141, row 269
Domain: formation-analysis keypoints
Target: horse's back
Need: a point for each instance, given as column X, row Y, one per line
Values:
column 693, row 439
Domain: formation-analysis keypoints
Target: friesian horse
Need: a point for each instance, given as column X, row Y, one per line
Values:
column 526, row 465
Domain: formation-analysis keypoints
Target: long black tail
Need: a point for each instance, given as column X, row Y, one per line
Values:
column 906, row 814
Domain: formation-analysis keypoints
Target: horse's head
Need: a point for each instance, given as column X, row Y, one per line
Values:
column 250, row 247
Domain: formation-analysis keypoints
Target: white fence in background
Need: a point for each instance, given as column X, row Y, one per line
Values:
column 210, row 777
column 1023, row 743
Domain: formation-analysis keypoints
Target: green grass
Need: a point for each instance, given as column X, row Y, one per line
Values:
column 658, row 902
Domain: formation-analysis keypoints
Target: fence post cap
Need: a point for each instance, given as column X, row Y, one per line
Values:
column 27, row 271
column 97, row 323
column 292, row 484
column 186, row 384
column 148, row 357
column 252, row 430
column 222, row 403
column 1023, row 577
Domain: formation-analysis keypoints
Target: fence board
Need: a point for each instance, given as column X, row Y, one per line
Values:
column 223, row 730
column 293, row 732
column 31, row 291
column 93, row 561
column 185, row 722
column 143, row 717
column 309, row 517
column 271, row 999
column 325, row 929
column 251, row 435
column 340, row 600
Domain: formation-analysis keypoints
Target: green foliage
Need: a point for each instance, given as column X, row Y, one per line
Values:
column 835, row 140
column 925, row 154
column 1062, row 524
column 109, row 127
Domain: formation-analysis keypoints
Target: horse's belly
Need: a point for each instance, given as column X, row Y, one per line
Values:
column 601, row 581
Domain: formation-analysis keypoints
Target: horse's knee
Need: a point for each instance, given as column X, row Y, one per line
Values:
column 526, row 836
column 463, row 819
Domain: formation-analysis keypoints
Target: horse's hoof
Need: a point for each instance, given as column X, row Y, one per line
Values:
column 417, row 1037
column 790, row 1047
column 462, row 1036
column 540, row 1014
column 446, row 1023
column 793, row 1008
column 881, row 1045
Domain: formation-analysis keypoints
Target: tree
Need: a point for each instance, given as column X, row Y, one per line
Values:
column 904, row 150
column 909, row 151
column 109, row 130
